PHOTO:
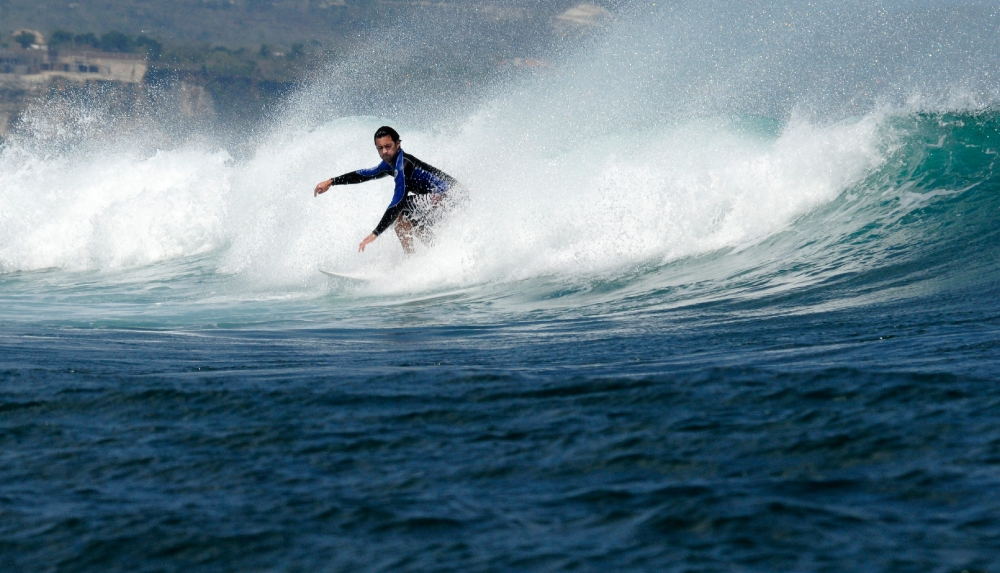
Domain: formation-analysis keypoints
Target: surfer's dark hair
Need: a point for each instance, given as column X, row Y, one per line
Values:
column 386, row 130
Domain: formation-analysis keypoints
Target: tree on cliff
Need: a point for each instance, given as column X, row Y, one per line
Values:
column 115, row 41
column 26, row 39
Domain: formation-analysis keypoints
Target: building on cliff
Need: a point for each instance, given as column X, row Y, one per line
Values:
column 27, row 73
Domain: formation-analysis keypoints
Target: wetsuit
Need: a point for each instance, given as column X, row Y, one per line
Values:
column 413, row 178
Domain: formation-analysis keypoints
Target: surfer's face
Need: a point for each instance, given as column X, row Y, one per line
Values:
column 387, row 148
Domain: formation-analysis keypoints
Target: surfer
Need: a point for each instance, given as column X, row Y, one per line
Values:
column 421, row 196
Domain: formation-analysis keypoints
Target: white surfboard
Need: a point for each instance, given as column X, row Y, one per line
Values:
column 348, row 276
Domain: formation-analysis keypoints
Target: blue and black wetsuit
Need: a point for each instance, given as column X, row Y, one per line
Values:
column 413, row 177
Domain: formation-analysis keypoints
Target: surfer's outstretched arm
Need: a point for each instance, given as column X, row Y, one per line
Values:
column 359, row 176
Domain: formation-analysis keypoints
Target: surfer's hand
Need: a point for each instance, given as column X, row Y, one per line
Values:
column 322, row 187
column 368, row 240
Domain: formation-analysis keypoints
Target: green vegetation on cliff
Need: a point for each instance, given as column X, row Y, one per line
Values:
column 231, row 23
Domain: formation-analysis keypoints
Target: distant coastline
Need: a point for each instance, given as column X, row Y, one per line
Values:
column 229, row 78
column 240, row 79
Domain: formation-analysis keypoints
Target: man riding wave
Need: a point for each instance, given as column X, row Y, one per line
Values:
column 423, row 194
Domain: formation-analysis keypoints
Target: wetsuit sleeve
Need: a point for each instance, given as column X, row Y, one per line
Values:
column 390, row 215
column 362, row 175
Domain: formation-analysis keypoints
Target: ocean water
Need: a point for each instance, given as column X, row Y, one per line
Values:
column 725, row 298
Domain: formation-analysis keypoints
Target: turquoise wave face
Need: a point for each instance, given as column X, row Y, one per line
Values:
column 923, row 219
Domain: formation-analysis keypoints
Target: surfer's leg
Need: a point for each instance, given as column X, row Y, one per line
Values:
column 431, row 210
column 404, row 230
column 416, row 219
column 424, row 233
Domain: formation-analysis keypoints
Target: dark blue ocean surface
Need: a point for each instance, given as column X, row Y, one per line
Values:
column 826, row 399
